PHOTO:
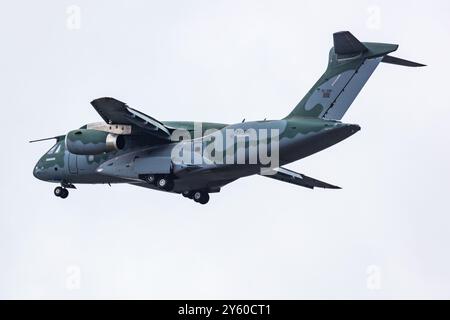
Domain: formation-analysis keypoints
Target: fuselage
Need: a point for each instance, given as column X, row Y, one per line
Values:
column 298, row 138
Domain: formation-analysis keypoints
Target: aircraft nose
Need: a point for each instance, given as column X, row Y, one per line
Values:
column 38, row 171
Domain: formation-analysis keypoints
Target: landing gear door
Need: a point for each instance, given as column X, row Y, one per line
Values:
column 73, row 167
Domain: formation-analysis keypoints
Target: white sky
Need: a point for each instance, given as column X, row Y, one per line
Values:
column 223, row 61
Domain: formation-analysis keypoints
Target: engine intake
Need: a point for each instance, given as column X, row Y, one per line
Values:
column 92, row 142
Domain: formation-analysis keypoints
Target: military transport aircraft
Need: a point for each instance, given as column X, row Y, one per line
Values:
column 132, row 147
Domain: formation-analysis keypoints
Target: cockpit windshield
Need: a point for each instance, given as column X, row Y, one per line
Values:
column 55, row 149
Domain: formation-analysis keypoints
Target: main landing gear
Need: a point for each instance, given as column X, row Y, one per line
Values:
column 165, row 182
column 199, row 196
column 161, row 181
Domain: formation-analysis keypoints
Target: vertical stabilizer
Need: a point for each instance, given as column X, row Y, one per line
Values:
column 350, row 65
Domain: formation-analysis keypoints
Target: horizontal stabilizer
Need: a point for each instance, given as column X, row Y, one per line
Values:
column 401, row 62
column 346, row 44
column 299, row 179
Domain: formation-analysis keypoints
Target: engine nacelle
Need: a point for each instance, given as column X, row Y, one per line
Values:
column 92, row 142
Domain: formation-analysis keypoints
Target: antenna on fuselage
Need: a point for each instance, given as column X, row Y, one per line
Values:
column 45, row 139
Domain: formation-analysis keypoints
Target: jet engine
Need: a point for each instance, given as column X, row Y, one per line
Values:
column 92, row 142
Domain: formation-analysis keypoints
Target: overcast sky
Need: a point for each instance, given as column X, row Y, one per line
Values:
column 385, row 235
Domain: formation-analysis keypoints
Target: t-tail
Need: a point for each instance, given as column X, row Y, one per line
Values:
column 351, row 63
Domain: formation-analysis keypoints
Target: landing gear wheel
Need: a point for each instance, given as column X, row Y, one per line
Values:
column 65, row 194
column 205, row 199
column 61, row 192
column 164, row 183
column 201, row 197
column 58, row 191
column 188, row 194
column 150, row 179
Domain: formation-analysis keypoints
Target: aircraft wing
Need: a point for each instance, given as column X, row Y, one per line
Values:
column 114, row 111
column 299, row 179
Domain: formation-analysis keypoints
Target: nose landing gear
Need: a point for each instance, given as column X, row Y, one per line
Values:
column 61, row 192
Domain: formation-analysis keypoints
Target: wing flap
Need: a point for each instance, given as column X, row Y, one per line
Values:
column 289, row 176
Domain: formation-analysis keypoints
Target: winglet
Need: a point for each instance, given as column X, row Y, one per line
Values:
column 401, row 62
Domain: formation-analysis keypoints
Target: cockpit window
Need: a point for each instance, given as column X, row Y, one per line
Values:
column 53, row 149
